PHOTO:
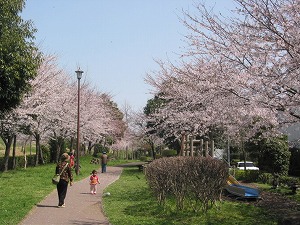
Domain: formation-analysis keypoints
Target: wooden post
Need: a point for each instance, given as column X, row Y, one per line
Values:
column 206, row 149
column 212, row 148
column 191, row 145
column 186, row 145
column 182, row 144
column 201, row 147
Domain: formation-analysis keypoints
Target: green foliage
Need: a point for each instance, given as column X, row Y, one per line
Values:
column 131, row 202
column 282, row 190
column 143, row 158
column 19, row 58
column 19, row 160
column 289, row 181
column 248, row 175
column 153, row 105
column 275, row 155
column 98, row 149
column 294, row 168
column 265, row 178
column 46, row 153
column 169, row 153
column 54, row 145
column 269, row 178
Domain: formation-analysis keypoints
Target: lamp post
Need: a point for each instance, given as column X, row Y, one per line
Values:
column 79, row 75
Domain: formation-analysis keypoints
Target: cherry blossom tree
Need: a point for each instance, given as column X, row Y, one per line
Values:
column 257, row 51
column 8, row 131
column 49, row 111
column 40, row 110
column 240, row 72
column 99, row 117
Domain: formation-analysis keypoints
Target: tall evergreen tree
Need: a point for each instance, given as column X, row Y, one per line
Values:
column 19, row 57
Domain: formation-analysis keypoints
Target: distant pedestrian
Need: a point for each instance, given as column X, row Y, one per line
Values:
column 104, row 160
column 94, row 180
column 66, row 176
column 72, row 160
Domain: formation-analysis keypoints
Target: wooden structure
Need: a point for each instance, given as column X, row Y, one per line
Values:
column 192, row 147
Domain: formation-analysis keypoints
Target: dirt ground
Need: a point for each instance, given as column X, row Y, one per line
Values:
column 287, row 211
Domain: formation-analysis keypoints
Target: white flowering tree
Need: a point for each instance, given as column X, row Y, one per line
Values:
column 241, row 73
column 49, row 111
column 41, row 111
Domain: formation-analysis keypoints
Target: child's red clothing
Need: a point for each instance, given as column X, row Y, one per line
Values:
column 94, row 180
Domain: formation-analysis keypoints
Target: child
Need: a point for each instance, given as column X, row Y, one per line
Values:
column 94, row 180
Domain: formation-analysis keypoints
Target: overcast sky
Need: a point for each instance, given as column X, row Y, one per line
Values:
column 114, row 42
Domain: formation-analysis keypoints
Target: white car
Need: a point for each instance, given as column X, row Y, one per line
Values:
column 249, row 166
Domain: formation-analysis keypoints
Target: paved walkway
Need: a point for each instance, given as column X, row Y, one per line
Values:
column 82, row 208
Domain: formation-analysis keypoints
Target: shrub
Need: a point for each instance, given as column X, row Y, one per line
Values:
column 143, row 158
column 266, row 178
column 251, row 175
column 98, row 149
column 158, row 156
column 198, row 180
column 294, row 168
column 46, row 153
column 169, row 153
column 288, row 181
column 275, row 156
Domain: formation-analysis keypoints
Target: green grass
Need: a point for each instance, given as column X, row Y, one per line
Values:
column 22, row 189
column 285, row 191
column 131, row 202
column 121, row 161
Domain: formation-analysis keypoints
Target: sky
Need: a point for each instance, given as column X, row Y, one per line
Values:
column 115, row 42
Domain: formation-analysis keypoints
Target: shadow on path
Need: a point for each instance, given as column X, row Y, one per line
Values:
column 81, row 208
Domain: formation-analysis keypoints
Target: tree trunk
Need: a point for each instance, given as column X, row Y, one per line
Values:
column 90, row 146
column 152, row 150
column 25, row 156
column 83, row 147
column 38, row 152
column 14, row 151
column 72, row 144
column 7, row 141
column 30, row 149
column 58, row 150
column 25, row 153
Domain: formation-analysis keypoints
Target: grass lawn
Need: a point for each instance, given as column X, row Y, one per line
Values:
column 131, row 202
column 22, row 189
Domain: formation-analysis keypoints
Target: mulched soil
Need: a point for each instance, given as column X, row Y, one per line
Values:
column 286, row 210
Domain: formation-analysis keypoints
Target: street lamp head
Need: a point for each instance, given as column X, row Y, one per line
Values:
column 79, row 73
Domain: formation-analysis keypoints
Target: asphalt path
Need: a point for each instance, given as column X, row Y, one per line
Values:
column 82, row 208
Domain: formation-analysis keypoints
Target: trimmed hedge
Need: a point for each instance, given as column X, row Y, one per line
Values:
column 198, row 180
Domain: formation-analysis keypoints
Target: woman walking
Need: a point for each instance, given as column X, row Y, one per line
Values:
column 64, row 168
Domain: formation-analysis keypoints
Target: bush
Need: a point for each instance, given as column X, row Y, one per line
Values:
column 275, row 156
column 199, row 180
column 294, row 168
column 266, row 178
column 143, row 158
column 288, row 181
column 98, row 149
column 158, row 156
column 248, row 175
column 20, row 161
column 169, row 153
column 46, row 153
